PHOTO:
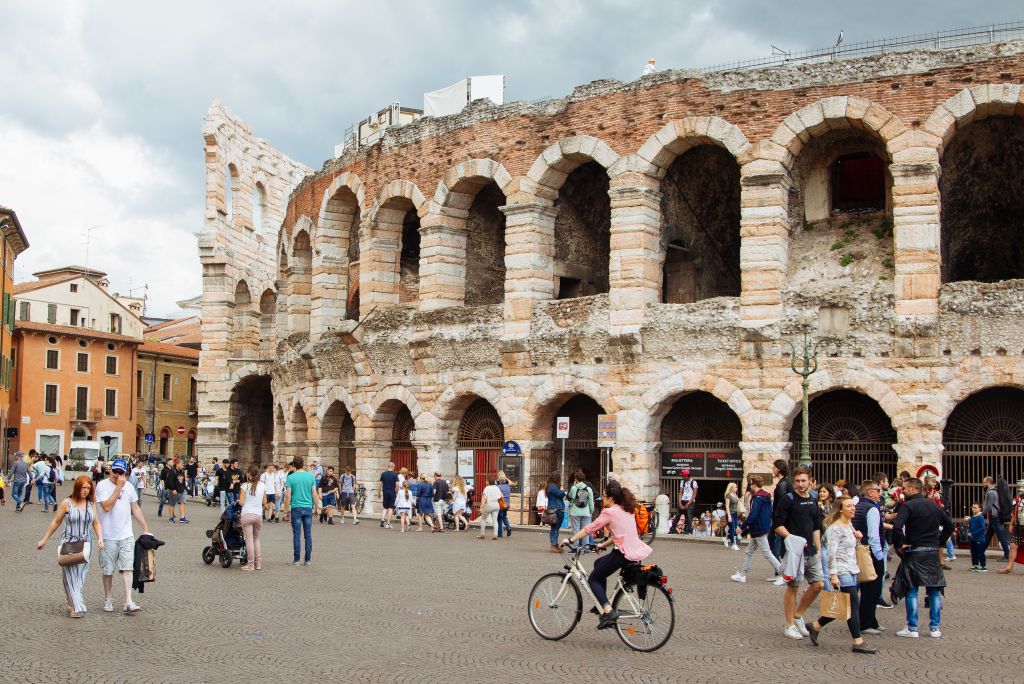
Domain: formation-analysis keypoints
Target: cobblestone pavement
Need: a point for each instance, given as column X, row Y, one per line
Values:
column 379, row 605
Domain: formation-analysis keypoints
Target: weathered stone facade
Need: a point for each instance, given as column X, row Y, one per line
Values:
column 656, row 239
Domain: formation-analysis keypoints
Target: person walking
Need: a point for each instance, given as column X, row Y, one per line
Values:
column 556, row 504
column 687, row 503
column 459, row 503
column 425, row 503
column 869, row 521
column 616, row 516
column 797, row 521
column 732, row 515
column 581, row 503
column 118, row 504
column 78, row 512
column 441, row 493
column 780, row 471
column 19, row 478
column 137, row 478
column 992, row 509
column 348, row 495
column 842, row 540
column 489, row 507
column 403, row 503
column 234, row 482
column 175, row 489
column 301, row 501
column 387, row 488
column 1016, row 530
column 919, row 531
column 328, row 486
column 191, row 475
column 757, row 525
column 254, row 501
column 502, row 481
column 270, row 487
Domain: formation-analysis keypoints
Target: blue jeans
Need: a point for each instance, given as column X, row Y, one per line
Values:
column 996, row 528
column 577, row 523
column 223, row 499
column 302, row 517
column 41, row 494
column 934, row 607
column 732, row 529
column 503, row 523
column 559, row 517
column 232, row 498
column 950, row 549
column 18, row 492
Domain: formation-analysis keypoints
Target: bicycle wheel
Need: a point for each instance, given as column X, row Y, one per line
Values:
column 555, row 606
column 652, row 528
column 360, row 503
column 645, row 625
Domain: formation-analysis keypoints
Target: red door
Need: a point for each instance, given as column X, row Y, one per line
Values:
column 485, row 465
column 404, row 458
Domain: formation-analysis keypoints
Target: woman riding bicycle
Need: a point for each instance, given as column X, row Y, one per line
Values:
column 617, row 517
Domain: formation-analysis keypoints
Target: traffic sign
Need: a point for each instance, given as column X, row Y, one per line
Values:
column 149, row 438
column 181, row 430
column 607, row 430
column 511, row 448
column 562, row 428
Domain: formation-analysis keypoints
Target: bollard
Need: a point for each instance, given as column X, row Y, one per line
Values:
column 664, row 510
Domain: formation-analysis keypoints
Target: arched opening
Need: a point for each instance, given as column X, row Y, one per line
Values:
column 268, row 311
column 851, row 438
column 984, row 436
column 259, row 205
column 300, row 283
column 190, row 443
column 251, row 420
column 245, row 338
column 338, row 437
column 300, row 432
column 583, row 233
column 485, row 248
column 141, row 447
column 230, row 193
column 982, row 204
column 409, row 259
column 352, row 308
column 481, row 434
column 700, row 210
column 165, row 441
column 700, row 433
column 339, row 225
column 403, row 453
column 581, row 450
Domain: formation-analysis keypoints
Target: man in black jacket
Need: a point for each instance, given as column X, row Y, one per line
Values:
column 920, row 529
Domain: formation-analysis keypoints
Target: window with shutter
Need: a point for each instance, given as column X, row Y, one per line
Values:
column 110, row 405
column 51, row 313
column 52, row 359
column 83, row 363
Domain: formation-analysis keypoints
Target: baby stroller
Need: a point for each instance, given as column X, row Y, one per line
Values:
column 211, row 495
column 226, row 540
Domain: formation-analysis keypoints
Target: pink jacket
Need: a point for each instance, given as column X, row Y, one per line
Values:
column 622, row 526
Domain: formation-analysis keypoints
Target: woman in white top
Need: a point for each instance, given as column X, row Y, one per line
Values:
column 253, row 499
column 459, row 503
column 403, row 502
column 841, row 545
column 489, row 508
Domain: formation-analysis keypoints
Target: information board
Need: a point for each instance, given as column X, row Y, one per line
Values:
column 607, row 431
column 727, row 465
column 673, row 464
column 513, row 468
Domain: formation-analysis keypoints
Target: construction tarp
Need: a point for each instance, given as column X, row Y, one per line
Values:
column 490, row 87
column 446, row 101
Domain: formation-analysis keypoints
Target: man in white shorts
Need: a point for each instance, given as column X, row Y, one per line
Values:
column 118, row 504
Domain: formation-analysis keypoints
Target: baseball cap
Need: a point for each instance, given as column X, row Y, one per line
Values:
column 119, row 464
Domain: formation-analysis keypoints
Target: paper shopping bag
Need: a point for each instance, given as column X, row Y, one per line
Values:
column 835, row 604
column 867, row 568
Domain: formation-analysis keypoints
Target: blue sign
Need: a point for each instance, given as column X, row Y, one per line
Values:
column 511, row 448
column 149, row 438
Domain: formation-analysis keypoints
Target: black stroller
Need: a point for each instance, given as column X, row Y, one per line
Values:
column 226, row 540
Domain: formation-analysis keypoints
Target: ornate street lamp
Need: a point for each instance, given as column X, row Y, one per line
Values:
column 809, row 356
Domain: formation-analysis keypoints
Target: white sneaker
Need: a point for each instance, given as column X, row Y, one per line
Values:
column 779, row 581
column 388, row 527
column 934, row 634
column 908, row 633
column 870, row 630
column 131, row 608
column 735, row 548
column 772, row 578
column 799, row 621
column 108, row 606
column 793, row 633
column 739, row 578
column 725, row 541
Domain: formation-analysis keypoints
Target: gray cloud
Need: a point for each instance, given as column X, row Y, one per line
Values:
column 300, row 72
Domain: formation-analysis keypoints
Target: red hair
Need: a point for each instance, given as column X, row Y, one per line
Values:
column 76, row 493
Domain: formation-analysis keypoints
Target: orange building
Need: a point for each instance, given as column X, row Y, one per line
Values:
column 14, row 243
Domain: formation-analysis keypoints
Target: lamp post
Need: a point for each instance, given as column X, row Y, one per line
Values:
column 809, row 357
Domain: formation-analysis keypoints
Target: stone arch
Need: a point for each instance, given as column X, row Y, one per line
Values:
column 336, row 251
column 299, row 277
column 456, row 398
column 969, row 379
column 400, row 394
column 250, row 415
column 337, row 436
column 298, row 430
column 658, row 400
column 979, row 102
column 391, row 272
column 677, row 137
column 245, row 337
column 337, row 393
column 540, row 408
column 395, row 190
column 462, row 181
column 268, row 314
column 561, row 158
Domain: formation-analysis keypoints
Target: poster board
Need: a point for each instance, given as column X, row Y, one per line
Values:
column 464, row 459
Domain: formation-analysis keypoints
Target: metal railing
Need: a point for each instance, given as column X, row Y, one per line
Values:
column 977, row 35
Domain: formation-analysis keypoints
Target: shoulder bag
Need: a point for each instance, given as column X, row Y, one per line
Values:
column 864, row 563
column 72, row 553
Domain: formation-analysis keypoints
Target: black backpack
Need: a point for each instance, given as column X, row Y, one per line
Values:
column 52, row 476
column 1005, row 500
column 582, row 497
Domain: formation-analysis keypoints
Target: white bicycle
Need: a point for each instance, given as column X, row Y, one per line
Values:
column 646, row 607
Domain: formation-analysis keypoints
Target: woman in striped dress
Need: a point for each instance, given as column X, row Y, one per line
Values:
column 80, row 522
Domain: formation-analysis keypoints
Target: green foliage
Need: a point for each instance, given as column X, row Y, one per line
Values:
column 887, row 262
column 846, row 260
column 839, row 244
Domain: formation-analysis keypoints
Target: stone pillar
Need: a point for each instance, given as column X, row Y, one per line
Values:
column 764, row 236
column 917, row 252
column 529, row 262
column 378, row 274
column 299, row 287
column 638, row 467
column 329, row 290
column 758, row 457
column 636, row 255
column 442, row 262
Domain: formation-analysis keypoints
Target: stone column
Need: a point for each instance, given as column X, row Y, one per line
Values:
column 764, row 241
column 378, row 274
column 298, row 298
column 636, row 255
column 329, row 288
column 638, row 467
column 758, row 457
column 442, row 262
column 915, row 199
column 529, row 262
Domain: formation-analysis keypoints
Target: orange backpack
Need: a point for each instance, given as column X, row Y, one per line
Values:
column 643, row 518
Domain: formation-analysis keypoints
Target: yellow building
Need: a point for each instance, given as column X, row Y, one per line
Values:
column 14, row 243
column 165, row 385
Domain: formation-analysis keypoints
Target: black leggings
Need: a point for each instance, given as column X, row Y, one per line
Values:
column 854, row 622
column 604, row 567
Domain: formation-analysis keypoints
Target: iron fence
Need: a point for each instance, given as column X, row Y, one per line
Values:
column 968, row 463
column 852, row 462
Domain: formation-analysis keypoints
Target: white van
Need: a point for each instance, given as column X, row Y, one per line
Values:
column 84, row 451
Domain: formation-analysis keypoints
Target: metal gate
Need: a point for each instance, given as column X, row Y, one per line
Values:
column 968, row 463
column 852, row 462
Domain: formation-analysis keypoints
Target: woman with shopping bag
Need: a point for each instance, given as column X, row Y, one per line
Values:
column 841, row 542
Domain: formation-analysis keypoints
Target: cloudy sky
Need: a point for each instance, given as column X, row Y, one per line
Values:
column 102, row 101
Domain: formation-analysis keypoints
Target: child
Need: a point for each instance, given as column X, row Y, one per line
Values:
column 977, row 535
column 403, row 503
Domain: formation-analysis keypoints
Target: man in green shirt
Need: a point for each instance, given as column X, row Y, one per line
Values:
column 301, row 502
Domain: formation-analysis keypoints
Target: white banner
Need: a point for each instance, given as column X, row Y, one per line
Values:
column 446, row 101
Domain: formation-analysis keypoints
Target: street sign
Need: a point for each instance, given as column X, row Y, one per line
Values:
column 511, row 448
column 607, row 430
column 562, row 428
column 181, row 430
column 149, row 438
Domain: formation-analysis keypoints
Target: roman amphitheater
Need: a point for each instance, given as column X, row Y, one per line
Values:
column 641, row 250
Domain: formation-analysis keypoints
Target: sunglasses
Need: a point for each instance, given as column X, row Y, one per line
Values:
column 117, row 471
